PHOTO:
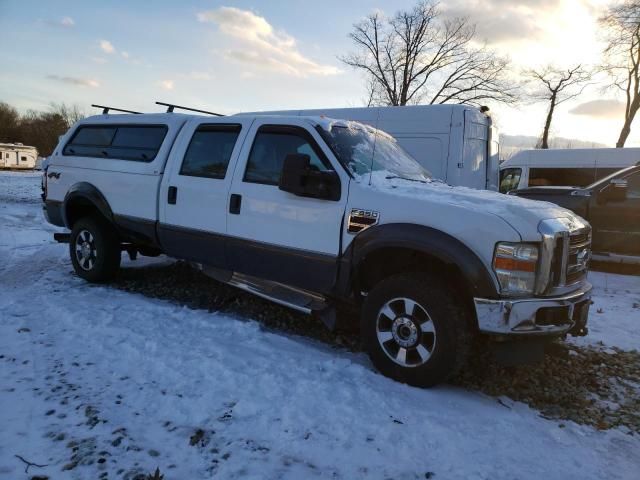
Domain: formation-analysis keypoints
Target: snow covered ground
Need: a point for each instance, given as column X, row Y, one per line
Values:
column 100, row 383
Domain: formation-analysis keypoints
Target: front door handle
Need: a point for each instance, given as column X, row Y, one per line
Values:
column 235, row 202
column 172, row 195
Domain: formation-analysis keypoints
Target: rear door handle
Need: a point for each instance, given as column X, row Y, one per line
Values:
column 172, row 195
column 235, row 202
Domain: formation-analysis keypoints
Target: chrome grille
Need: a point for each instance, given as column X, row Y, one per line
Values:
column 571, row 257
column 565, row 254
column 578, row 256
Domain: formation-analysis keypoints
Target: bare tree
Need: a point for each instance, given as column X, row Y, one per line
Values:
column 42, row 129
column 70, row 113
column 39, row 129
column 9, row 124
column 418, row 56
column 556, row 86
column 622, row 58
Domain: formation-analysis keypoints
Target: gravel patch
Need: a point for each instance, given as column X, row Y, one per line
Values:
column 597, row 386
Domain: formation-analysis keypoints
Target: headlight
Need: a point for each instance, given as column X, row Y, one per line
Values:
column 515, row 265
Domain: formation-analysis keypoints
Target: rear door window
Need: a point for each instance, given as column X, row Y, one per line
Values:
column 210, row 150
column 117, row 142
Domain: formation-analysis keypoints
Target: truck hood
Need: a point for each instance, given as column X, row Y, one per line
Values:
column 521, row 214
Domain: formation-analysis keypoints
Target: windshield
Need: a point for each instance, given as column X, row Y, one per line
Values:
column 364, row 150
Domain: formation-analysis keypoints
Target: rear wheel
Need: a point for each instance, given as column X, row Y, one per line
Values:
column 94, row 249
column 414, row 330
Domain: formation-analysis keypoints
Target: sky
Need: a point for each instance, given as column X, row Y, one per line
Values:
column 230, row 56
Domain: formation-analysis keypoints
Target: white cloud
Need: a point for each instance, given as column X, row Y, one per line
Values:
column 608, row 109
column 67, row 22
column 260, row 46
column 81, row 82
column 166, row 84
column 64, row 22
column 107, row 46
column 124, row 54
column 196, row 75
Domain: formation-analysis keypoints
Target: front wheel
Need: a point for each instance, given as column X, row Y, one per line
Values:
column 94, row 249
column 414, row 329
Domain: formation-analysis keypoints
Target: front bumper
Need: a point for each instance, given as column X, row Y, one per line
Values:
column 535, row 316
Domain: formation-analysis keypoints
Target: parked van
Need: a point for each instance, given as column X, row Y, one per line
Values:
column 456, row 143
column 577, row 167
column 17, row 156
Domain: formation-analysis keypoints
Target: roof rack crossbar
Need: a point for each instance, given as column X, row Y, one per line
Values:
column 105, row 109
column 171, row 107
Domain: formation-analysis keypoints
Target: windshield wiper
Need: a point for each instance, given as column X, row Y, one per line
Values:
column 390, row 177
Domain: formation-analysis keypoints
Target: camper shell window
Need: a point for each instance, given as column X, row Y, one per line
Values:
column 138, row 143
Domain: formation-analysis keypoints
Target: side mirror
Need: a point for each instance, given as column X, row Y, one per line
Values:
column 616, row 191
column 300, row 178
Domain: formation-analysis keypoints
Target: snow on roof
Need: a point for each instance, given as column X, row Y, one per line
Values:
column 16, row 146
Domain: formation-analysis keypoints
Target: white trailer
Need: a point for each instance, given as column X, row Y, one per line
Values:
column 456, row 143
column 575, row 167
column 16, row 156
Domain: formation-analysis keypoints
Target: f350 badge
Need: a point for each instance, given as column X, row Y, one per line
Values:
column 360, row 219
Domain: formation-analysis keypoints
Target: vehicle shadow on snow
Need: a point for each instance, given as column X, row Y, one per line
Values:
column 574, row 383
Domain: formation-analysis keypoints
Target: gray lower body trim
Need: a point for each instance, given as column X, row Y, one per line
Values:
column 534, row 316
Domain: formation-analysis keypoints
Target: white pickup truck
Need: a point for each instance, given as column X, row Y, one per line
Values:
column 324, row 216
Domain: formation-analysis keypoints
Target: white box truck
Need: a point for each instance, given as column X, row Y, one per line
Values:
column 456, row 143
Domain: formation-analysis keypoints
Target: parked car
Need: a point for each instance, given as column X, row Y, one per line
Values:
column 455, row 143
column 611, row 205
column 324, row 216
column 576, row 167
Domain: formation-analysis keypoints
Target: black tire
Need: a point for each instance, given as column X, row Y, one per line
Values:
column 447, row 348
column 94, row 249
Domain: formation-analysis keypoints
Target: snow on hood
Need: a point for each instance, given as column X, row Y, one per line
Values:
column 521, row 213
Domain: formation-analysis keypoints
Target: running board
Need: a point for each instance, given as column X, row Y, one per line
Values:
column 298, row 299
column 291, row 297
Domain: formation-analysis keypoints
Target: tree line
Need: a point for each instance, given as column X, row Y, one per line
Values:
column 40, row 129
column 421, row 56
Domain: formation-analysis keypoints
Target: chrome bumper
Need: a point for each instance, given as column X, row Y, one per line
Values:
column 535, row 316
